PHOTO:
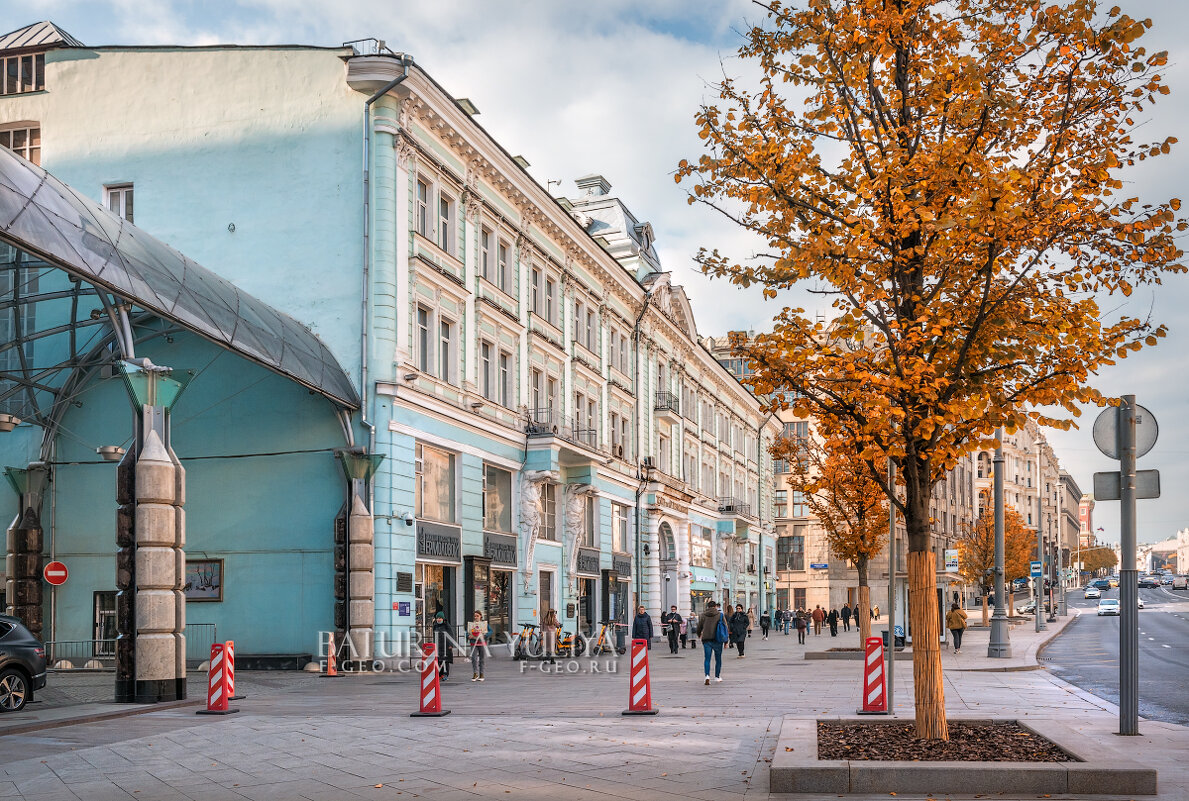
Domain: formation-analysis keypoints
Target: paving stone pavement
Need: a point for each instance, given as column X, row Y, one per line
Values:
column 524, row 733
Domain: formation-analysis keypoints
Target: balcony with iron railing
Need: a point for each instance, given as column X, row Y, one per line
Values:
column 667, row 406
column 734, row 506
column 546, row 422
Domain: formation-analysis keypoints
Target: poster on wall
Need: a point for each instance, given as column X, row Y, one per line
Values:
column 204, row 580
column 951, row 560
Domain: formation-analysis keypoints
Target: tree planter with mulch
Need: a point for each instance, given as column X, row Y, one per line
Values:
column 858, row 755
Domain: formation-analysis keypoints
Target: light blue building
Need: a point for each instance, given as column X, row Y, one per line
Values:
column 550, row 432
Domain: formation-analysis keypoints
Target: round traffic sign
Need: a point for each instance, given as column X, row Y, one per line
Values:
column 1106, row 431
column 55, row 573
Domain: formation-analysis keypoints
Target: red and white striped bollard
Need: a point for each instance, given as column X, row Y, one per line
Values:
column 431, row 690
column 639, row 682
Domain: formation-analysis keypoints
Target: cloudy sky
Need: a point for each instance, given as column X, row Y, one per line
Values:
column 611, row 87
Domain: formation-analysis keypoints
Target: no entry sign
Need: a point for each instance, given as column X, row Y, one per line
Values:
column 55, row 573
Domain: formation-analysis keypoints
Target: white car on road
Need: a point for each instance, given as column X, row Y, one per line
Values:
column 1108, row 606
column 1093, row 592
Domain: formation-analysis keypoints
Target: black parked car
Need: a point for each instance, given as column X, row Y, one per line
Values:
column 22, row 664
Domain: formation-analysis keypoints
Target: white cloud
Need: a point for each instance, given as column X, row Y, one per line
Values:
column 612, row 87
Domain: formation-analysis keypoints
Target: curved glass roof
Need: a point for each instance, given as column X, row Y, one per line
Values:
column 52, row 222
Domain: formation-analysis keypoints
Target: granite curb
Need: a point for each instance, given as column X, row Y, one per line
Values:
column 96, row 716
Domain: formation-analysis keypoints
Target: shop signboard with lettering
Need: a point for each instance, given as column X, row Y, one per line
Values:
column 588, row 561
column 499, row 548
column 439, row 543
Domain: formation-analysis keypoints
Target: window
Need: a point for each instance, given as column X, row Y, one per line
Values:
column 422, row 221
column 497, row 499
column 663, row 452
column 23, row 74
column 790, row 553
column 613, row 419
column 486, row 268
column 424, row 343
column 780, row 465
column 505, row 378
column 538, row 396
column 119, row 200
column 591, row 329
column 549, row 512
column 799, row 598
column 578, row 316
column 537, row 299
column 433, row 487
column 589, row 523
column 798, row 504
column 445, row 350
column 486, row 371
column 691, row 470
column 701, row 547
column 551, row 300
column 619, row 528
column 501, row 268
column 446, row 223
column 782, row 503
column 25, row 142
column 551, row 396
column 625, row 439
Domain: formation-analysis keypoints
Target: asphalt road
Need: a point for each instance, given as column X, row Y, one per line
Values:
column 1087, row 653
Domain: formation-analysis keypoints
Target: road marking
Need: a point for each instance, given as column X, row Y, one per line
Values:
column 1153, row 639
column 1166, row 645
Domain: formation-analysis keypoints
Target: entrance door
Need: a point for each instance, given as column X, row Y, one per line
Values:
column 436, row 583
column 586, row 606
column 104, row 624
column 544, row 594
column 499, row 603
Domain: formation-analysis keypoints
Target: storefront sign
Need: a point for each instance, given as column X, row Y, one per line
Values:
column 588, row 561
column 435, row 541
column 622, row 565
column 951, row 560
column 499, row 548
column 706, row 576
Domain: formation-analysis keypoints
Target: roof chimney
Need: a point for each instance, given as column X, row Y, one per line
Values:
column 593, row 185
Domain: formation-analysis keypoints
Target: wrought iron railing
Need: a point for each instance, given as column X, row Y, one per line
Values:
column 666, row 401
column 734, row 506
column 101, row 654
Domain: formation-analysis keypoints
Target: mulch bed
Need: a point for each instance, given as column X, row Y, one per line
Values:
column 969, row 742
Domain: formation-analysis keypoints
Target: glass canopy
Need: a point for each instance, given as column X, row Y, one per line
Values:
column 62, row 255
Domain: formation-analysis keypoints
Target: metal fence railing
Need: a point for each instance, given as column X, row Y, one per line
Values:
column 199, row 639
column 101, row 654
column 76, row 654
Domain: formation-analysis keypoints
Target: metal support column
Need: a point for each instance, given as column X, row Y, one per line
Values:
column 999, row 646
column 891, row 586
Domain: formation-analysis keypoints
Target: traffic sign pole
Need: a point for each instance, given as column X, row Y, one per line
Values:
column 1128, row 589
column 999, row 646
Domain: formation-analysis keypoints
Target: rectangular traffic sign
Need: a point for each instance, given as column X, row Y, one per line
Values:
column 1107, row 485
column 1036, row 570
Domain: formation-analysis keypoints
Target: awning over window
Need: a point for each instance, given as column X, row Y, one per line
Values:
column 54, row 226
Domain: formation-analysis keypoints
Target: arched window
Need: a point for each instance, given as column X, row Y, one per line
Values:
column 984, row 465
column 667, row 543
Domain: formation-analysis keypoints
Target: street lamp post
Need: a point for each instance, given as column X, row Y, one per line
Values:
column 999, row 646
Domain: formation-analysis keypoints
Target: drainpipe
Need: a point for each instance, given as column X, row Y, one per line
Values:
column 636, row 374
column 405, row 60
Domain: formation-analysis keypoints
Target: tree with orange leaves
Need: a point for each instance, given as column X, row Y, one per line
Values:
column 950, row 173
column 976, row 552
column 848, row 504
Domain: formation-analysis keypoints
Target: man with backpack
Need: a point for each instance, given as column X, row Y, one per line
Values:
column 712, row 631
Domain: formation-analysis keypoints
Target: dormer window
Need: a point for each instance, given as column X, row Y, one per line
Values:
column 23, row 73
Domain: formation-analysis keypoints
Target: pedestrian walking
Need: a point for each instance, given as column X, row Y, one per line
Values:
column 765, row 624
column 751, row 619
column 832, row 619
column 846, row 618
column 955, row 621
column 549, row 626
column 441, row 638
column 801, row 623
column 478, row 633
column 671, row 624
column 712, row 631
column 642, row 626
column 737, row 628
column 818, row 615
column 875, row 612
column 691, row 629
